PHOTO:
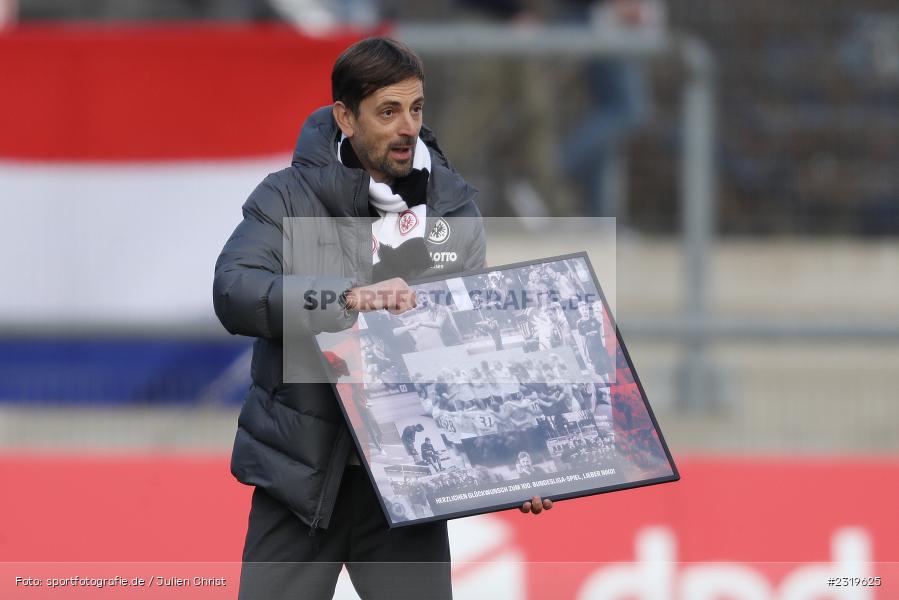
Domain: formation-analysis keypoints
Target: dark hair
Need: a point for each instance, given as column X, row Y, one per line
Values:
column 369, row 65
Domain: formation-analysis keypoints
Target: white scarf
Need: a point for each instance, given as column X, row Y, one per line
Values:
column 380, row 194
column 398, row 222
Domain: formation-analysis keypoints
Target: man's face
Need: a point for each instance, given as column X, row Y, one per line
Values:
column 525, row 461
column 385, row 131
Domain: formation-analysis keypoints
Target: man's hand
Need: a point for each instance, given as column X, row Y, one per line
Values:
column 536, row 505
column 395, row 295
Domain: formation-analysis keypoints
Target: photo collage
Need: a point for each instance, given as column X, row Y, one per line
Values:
column 494, row 388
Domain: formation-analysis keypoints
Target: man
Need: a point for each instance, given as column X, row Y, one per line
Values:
column 594, row 346
column 486, row 322
column 518, row 414
column 524, row 467
column 547, row 323
column 565, row 287
column 430, row 455
column 408, row 438
column 428, row 323
column 554, row 399
column 449, row 422
column 367, row 158
column 464, row 398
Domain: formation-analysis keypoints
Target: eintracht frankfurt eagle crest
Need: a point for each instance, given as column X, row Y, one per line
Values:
column 439, row 232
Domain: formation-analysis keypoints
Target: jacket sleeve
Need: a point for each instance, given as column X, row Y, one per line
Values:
column 249, row 284
column 476, row 259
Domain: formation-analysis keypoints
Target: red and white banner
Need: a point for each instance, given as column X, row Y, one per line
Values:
column 731, row 529
column 126, row 153
column 9, row 12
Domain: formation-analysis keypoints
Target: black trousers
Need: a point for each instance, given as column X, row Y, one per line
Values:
column 281, row 561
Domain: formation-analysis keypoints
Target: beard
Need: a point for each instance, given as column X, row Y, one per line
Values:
column 385, row 164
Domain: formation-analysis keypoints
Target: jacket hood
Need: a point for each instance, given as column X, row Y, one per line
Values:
column 316, row 149
column 315, row 146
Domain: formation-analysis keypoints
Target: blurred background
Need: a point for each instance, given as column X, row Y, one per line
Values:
column 749, row 152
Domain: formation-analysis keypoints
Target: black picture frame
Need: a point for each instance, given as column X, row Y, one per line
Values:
column 525, row 494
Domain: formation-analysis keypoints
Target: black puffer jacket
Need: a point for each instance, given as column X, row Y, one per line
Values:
column 291, row 437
